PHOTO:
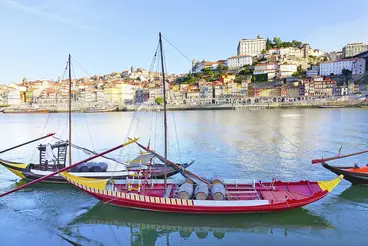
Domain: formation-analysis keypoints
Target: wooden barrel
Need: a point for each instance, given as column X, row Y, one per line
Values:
column 218, row 181
column 99, row 167
column 186, row 191
column 84, row 168
column 218, row 192
column 201, row 191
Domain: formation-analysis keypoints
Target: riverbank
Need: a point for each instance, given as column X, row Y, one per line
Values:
column 255, row 106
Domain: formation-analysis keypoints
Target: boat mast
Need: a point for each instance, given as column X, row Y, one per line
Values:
column 70, row 112
column 165, row 120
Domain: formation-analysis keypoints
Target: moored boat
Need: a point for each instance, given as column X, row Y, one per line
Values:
column 101, row 168
column 354, row 174
column 229, row 196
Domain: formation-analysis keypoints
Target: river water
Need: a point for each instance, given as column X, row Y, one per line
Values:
column 258, row 145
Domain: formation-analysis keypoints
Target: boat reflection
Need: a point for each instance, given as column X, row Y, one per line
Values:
column 148, row 227
column 355, row 193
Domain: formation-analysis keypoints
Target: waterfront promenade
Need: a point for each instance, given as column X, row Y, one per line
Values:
column 223, row 103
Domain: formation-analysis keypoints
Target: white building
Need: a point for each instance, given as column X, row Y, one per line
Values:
column 355, row 65
column 354, row 49
column 251, row 47
column 287, row 70
column 239, row 61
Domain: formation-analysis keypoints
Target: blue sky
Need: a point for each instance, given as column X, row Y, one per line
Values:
column 109, row 36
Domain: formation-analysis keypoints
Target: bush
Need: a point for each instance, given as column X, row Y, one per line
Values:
column 159, row 100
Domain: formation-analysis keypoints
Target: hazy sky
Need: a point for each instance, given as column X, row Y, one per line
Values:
column 108, row 36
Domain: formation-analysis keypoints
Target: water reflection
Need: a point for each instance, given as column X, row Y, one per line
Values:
column 355, row 193
column 147, row 228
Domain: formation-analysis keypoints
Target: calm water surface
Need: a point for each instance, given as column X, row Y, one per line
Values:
column 260, row 144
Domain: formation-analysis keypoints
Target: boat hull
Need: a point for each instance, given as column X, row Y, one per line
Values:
column 25, row 172
column 356, row 178
column 276, row 196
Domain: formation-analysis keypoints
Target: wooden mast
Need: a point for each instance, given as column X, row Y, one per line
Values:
column 70, row 112
column 165, row 119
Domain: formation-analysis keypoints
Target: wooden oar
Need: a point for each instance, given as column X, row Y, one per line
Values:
column 174, row 164
column 68, row 167
column 34, row 140
column 316, row 161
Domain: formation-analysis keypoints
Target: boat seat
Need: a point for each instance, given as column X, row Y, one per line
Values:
column 168, row 191
column 242, row 192
column 281, row 196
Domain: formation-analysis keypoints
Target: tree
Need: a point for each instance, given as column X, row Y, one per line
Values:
column 277, row 42
column 264, row 52
column 159, row 100
column 325, row 59
column 220, row 67
column 296, row 43
column 346, row 72
column 269, row 44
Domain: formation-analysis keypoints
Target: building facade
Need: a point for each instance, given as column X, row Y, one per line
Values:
column 353, row 49
column 239, row 61
column 252, row 47
column 355, row 65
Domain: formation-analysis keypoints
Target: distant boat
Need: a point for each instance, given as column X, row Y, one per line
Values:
column 329, row 106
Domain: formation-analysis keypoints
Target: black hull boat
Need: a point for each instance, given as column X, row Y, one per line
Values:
column 356, row 175
column 33, row 172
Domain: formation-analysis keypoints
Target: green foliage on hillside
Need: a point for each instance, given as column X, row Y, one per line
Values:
column 278, row 43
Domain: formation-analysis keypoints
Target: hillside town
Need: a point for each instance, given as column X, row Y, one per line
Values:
column 261, row 68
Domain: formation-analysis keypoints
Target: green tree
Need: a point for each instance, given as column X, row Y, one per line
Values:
column 159, row 100
column 346, row 72
column 296, row 43
column 264, row 52
column 220, row 67
column 277, row 42
column 269, row 44
column 325, row 59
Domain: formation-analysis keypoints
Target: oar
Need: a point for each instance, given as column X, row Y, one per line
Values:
column 316, row 161
column 71, row 166
column 34, row 140
column 173, row 164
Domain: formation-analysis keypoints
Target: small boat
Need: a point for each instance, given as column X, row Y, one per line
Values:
column 354, row 174
column 330, row 106
column 228, row 196
column 101, row 168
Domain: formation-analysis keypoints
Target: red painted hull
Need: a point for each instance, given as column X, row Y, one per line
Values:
column 290, row 204
column 270, row 197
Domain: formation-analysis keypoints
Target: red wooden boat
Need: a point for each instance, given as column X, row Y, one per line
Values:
column 236, row 196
